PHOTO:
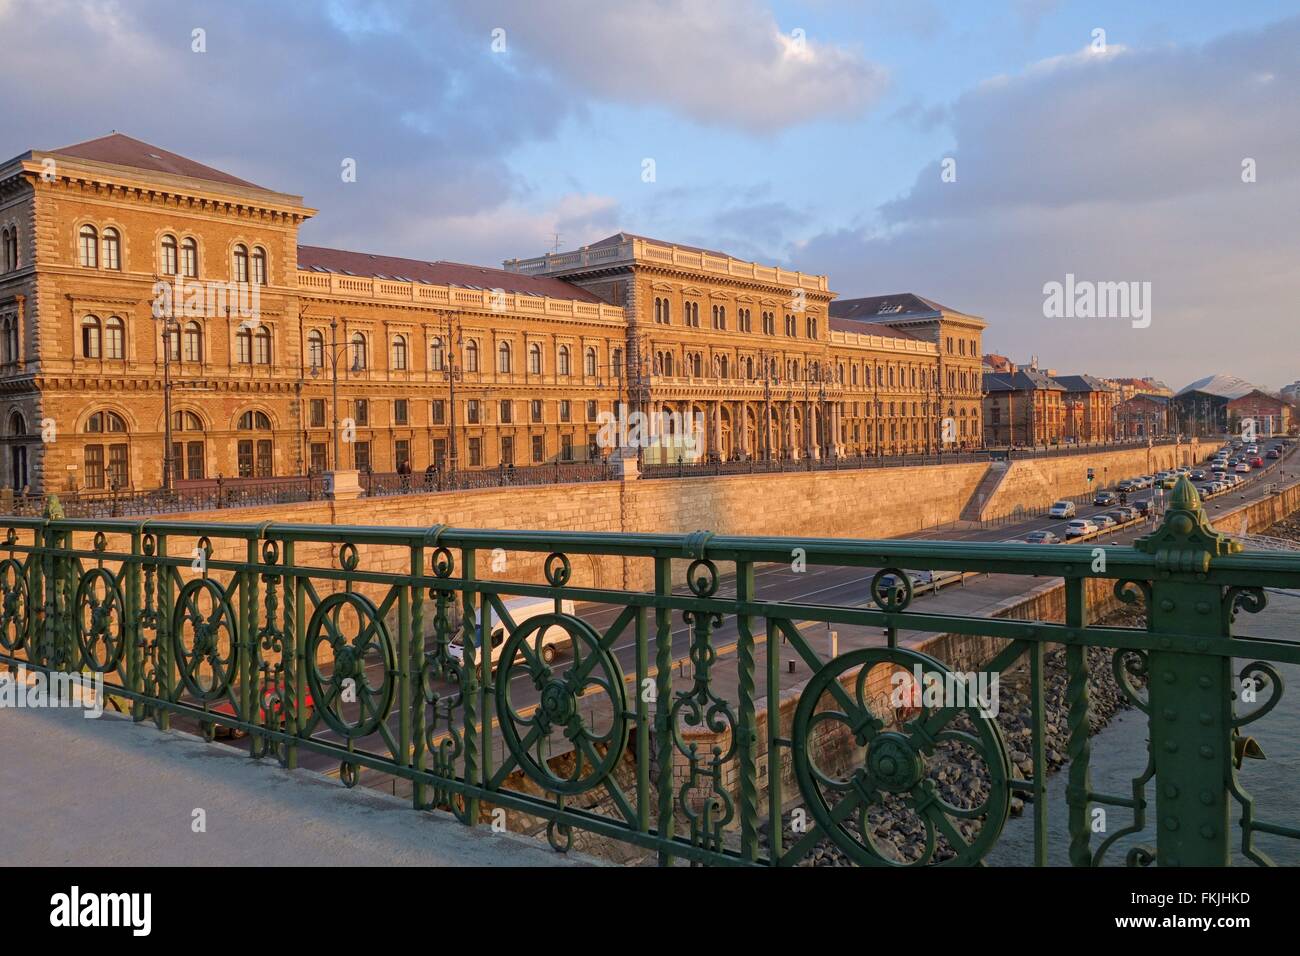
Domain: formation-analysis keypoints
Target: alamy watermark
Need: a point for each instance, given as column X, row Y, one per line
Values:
column 23, row 688
column 933, row 691
column 1085, row 299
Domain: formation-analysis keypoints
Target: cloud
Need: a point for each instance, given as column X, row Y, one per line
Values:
column 722, row 62
column 1121, row 167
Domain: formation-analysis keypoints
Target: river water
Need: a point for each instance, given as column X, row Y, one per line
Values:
column 1119, row 753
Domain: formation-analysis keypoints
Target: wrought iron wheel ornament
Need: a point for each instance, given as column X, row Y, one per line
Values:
column 205, row 636
column 344, row 679
column 100, row 618
column 593, row 681
column 13, row 604
column 895, row 597
column 896, row 766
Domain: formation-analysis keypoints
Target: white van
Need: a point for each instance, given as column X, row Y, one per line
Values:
column 520, row 609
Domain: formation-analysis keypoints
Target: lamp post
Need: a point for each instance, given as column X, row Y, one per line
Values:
column 452, row 372
column 342, row 482
column 164, row 309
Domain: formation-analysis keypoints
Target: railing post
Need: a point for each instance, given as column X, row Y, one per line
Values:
column 1190, row 691
column 664, row 730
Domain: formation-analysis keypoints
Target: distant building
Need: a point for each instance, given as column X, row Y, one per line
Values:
column 1269, row 413
column 1201, row 408
column 998, row 364
column 1024, row 407
column 1089, row 408
column 1143, row 416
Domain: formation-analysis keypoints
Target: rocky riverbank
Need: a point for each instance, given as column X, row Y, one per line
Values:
column 961, row 776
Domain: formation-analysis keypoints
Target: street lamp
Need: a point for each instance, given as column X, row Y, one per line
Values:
column 452, row 372
column 334, row 350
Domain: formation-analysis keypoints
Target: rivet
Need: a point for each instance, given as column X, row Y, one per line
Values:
column 1168, row 677
column 1207, row 798
column 1207, row 831
column 1202, row 607
column 1206, row 719
column 1171, row 823
column 1171, row 714
column 1171, row 746
column 1171, row 791
column 1166, row 643
column 1167, row 605
column 1202, row 645
column 1207, row 751
column 1203, row 681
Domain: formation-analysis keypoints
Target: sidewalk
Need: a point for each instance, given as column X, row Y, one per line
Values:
column 109, row 793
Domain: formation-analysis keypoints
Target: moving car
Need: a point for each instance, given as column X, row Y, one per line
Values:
column 1198, row 475
column 1143, row 507
column 1105, row 498
column 1123, row 515
column 1041, row 537
column 520, row 609
column 1062, row 509
column 1079, row 527
column 1257, row 462
column 1103, row 521
column 1242, row 468
column 1273, row 453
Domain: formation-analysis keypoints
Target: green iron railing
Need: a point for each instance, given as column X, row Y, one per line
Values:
column 355, row 648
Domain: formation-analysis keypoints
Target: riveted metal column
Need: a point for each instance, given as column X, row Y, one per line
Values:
column 472, row 690
column 295, row 684
column 664, row 703
column 1189, row 691
column 163, row 667
column 418, row 755
column 746, row 726
column 1078, row 746
column 131, row 632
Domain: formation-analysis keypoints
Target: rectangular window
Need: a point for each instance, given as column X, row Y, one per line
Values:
column 316, row 412
column 471, row 411
column 194, row 459
column 566, row 448
column 402, row 452
column 440, row 452
column 507, row 412
column 361, row 411
column 539, row 449
column 565, row 413
column 401, row 415
column 507, row 450
column 593, row 450
column 475, row 452
column 361, row 455
column 438, row 412
column 244, row 461
column 265, row 466
column 535, row 410
column 94, row 466
column 591, row 410
column 319, row 457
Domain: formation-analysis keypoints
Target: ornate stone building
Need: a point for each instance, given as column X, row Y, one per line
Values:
column 134, row 278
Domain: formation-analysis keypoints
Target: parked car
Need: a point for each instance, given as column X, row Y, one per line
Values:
column 1079, row 527
column 1041, row 537
column 1062, row 509
column 1104, row 498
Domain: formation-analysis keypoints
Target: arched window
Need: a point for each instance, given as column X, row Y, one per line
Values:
column 9, row 340
column 106, row 465
column 188, row 451
column 113, row 338
column 193, row 342
column 262, row 346
column 168, row 258
column 589, row 363
column 88, row 247
column 437, row 357
column 244, row 345
column 562, row 365
column 359, row 357
column 399, row 353
column 112, row 249
column 259, row 265
column 255, row 456
column 503, row 358
column 91, row 338
column 5, row 250
column 535, row 359
column 668, row 363
column 471, row 356
column 315, row 349
column 241, row 264
column 190, row 259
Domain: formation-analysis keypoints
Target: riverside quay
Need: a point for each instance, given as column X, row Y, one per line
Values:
column 660, row 718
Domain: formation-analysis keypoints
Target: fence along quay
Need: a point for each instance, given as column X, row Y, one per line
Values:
column 355, row 645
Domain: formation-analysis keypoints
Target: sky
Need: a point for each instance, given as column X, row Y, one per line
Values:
column 973, row 151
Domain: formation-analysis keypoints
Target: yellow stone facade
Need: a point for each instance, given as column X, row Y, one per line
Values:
column 94, row 237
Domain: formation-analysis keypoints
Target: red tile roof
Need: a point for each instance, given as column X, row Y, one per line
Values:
column 122, row 150
column 438, row 273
